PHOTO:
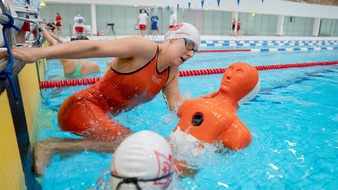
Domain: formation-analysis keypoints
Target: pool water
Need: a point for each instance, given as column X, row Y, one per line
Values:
column 293, row 120
column 294, row 127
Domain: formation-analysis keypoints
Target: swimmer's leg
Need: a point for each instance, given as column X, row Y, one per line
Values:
column 82, row 117
column 45, row 149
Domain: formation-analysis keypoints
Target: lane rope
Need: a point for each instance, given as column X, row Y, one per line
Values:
column 89, row 81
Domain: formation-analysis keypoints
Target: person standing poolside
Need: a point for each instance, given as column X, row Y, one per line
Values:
column 24, row 26
column 140, row 70
column 72, row 68
column 142, row 22
column 79, row 24
column 58, row 23
column 233, row 27
column 21, row 36
column 154, row 25
column 238, row 27
column 172, row 19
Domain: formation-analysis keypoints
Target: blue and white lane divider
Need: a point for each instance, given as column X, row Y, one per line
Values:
column 268, row 44
column 294, row 49
column 269, row 49
column 264, row 41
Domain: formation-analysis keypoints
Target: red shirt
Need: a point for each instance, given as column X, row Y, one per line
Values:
column 58, row 20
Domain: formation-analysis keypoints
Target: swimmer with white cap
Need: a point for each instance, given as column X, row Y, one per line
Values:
column 142, row 161
column 141, row 69
column 185, row 31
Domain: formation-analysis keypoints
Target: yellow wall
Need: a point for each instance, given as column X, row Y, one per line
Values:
column 11, row 173
column 29, row 86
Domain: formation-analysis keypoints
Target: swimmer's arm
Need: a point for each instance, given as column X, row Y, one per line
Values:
column 209, row 95
column 123, row 48
column 132, row 47
column 172, row 94
column 56, row 37
column 48, row 37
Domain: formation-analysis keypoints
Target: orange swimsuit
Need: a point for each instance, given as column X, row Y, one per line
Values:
column 85, row 112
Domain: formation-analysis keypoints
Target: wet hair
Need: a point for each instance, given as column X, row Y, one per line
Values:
column 79, row 38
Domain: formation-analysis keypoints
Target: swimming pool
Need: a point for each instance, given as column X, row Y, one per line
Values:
column 293, row 121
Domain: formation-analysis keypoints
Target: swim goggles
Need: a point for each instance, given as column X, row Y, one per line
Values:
column 189, row 45
column 135, row 180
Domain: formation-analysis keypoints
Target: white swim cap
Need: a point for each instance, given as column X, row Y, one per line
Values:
column 143, row 159
column 184, row 30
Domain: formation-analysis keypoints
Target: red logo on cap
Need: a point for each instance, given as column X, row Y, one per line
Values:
column 176, row 27
column 165, row 167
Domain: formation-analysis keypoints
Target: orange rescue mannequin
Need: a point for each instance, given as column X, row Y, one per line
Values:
column 215, row 119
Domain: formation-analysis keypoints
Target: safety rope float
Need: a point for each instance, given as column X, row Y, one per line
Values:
column 86, row 81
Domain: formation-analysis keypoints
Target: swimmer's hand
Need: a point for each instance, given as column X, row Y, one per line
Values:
column 209, row 95
column 205, row 96
column 183, row 170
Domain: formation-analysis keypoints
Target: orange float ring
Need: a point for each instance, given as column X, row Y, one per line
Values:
column 214, row 120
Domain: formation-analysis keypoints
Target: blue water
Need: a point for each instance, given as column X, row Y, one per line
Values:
column 293, row 120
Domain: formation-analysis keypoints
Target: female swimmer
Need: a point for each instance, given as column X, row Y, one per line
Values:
column 72, row 68
column 140, row 70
